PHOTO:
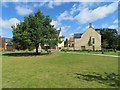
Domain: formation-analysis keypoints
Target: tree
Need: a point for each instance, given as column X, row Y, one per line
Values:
column 108, row 38
column 66, row 43
column 50, row 34
column 34, row 31
column 89, row 43
column 20, row 37
column 118, row 42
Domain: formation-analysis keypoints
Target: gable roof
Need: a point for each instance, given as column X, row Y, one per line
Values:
column 58, row 32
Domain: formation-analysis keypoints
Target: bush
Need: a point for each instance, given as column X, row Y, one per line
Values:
column 103, row 50
column 49, row 52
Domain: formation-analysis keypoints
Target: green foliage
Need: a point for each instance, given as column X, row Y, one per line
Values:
column 89, row 42
column 105, row 44
column 35, row 30
column 66, row 43
column 109, row 38
column 118, row 42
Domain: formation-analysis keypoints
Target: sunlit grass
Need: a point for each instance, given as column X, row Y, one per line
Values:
column 56, row 70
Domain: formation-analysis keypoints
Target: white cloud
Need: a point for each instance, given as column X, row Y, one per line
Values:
column 38, row 5
column 82, row 5
column 22, row 10
column 3, row 34
column 49, row 3
column 65, row 28
column 6, row 24
column 56, row 24
column 71, row 34
column 16, row 0
column 73, row 9
column 104, row 25
column 65, row 16
column 60, row 0
column 86, row 15
column 53, row 3
column 113, row 27
column 115, row 21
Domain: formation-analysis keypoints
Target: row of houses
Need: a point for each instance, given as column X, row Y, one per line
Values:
column 89, row 40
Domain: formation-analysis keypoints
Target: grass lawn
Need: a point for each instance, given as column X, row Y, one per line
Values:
column 59, row 70
column 105, row 53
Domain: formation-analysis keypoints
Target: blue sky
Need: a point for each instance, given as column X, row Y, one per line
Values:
column 71, row 17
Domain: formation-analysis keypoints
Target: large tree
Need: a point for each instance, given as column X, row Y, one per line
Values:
column 66, row 43
column 109, row 37
column 34, row 31
column 118, row 42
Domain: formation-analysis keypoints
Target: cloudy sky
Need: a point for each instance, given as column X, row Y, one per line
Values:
column 71, row 17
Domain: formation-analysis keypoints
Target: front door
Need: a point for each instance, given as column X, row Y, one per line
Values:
column 93, row 48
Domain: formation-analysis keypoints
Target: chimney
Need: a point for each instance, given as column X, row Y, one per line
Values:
column 90, row 25
column 60, row 29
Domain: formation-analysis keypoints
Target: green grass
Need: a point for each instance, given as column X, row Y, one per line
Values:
column 92, row 52
column 107, row 53
column 57, row 70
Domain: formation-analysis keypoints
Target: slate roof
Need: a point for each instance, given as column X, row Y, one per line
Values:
column 8, row 41
column 78, row 35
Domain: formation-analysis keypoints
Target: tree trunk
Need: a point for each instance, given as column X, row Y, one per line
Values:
column 102, row 51
column 37, row 50
column 115, row 50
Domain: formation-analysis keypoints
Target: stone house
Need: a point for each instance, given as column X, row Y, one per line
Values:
column 89, row 40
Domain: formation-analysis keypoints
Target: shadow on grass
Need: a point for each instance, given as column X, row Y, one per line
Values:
column 25, row 54
column 111, row 79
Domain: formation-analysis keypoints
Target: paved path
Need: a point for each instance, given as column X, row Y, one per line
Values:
column 92, row 54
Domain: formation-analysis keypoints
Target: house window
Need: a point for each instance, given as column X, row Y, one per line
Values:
column 72, row 45
column 83, row 47
column 93, row 40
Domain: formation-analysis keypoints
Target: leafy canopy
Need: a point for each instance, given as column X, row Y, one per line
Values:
column 35, row 30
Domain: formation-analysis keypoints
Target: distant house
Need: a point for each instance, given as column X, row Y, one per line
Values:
column 71, row 42
column 6, row 44
column 0, row 43
column 89, row 40
column 60, row 40
column 10, row 46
